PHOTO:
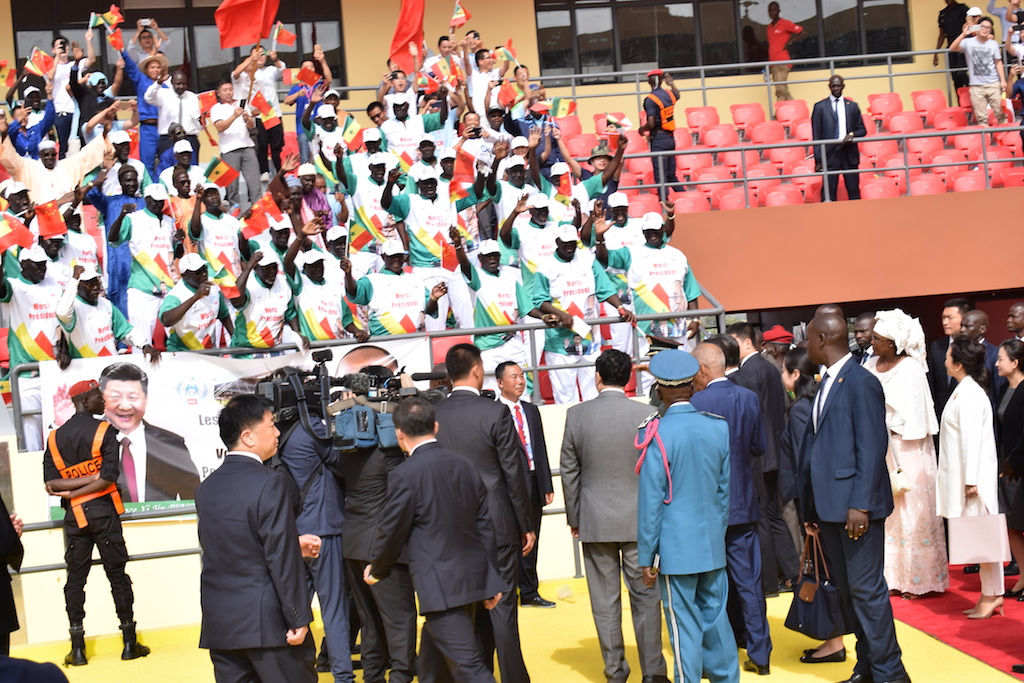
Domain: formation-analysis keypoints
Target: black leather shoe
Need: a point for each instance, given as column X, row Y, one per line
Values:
column 1011, row 569
column 837, row 656
column 756, row 668
column 859, row 678
column 537, row 602
column 656, row 679
column 971, row 569
column 1017, row 668
column 901, row 679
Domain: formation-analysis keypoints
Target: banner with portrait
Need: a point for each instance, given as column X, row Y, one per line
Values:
column 167, row 412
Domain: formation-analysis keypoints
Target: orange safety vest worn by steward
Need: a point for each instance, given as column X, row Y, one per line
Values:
column 666, row 110
column 85, row 469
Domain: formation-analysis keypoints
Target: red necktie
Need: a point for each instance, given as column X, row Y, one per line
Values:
column 128, row 465
column 522, row 436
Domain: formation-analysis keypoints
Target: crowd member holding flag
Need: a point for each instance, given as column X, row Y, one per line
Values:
column 396, row 301
column 119, row 156
column 259, row 74
column 371, row 223
column 118, row 259
column 569, row 284
column 234, row 123
column 53, row 246
column 322, row 130
column 93, row 326
column 483, row 81
column 193, row 308
column 403, row 133
column 659, row 127
column 47, row 178
column 175, row 104
column 559, row 186
column 27, row 128
column 31, row 304
column 300, row 92
column 264, row 305
column 537, row 118
column 143, row 74
column 216, row 233
column 59, row 77
column 152, row 237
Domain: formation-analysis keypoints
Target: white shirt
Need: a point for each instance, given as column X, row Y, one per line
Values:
column 512, row 405
column 267, row 78
column 421, row 443
column 463, row 387
column 235, row 136
column 828, row 376
column 174, row 109
column 718, row 379
column 840, row 109
column 63, row 102
column 248, row 455
column 137, row 441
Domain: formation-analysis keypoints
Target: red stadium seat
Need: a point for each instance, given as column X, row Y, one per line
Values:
column 949, row 118
column 997, row 159
column 780, row 156
column 699, row 118
column 970, row 181
column 879, row 188
column 642, row 204
column 721, row 135
column 918, row 147
column 809, row 184
column 683, row 138
column 570, row 125
column 692, row 202
column 5, row 352
column 743, row 115
column 789, row 112
column 969, row 145
column 1013, row 177
column 952, row 162
column 766, row 133
column 926, row 183
column 738, row 162
column 579, row 146
column 713, row 190
column 927, row 102
column 784, row 195
column 759, row 179
column 689, row 165
column 893, row 169
column 883, row 105
column 963, row 96
column 439, row 345
column 801, row 130
column 731, row 200
column 876, row 150
column 643, row 169
column 601, row 120
column 637, row 144
column 905, row 122
column 626, row 182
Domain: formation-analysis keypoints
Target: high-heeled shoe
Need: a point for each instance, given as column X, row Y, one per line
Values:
column 986, row 611
column 1014, row 594
column 973, row 609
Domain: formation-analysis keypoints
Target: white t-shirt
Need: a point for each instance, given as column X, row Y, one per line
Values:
column 267, row 78
column 63, row 102
column 218, row 243
column 235, row 136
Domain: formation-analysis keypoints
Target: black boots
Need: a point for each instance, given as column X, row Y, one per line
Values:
column 77, row 655
column 133, row 649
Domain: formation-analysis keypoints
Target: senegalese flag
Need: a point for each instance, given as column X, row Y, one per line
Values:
column 116, row 39
column 508, row 93
column 50, row 220
column 405, row 161
column 206, row 101
column 8, row 75
column 308, row 76
column 352, row 132
column 279, row 34
column 326, row 171
column 220, row 267
column 503, row 54
column 113, row 17
column 370, row 222
column 457, row 190
column 563, row 192
column 14, row 233
column 562, row 106
column 96, row 20
column 460, row 16
column 156, row 267
column 39, row 63
column 220, row 172
column 442, row 70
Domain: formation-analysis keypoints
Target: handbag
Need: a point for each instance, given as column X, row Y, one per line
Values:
column 815, row 610
column 898, row 479
column 982, row 538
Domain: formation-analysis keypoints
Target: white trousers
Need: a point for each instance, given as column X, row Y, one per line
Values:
column 143, row 309
column 572, row 384
column 457, row 299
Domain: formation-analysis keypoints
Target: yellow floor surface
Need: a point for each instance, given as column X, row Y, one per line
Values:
column 560, row 646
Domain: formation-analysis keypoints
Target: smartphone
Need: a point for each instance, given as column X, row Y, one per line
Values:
column 145, row 22
column 242, row 103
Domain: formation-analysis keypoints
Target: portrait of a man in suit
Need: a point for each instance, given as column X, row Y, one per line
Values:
column 155, row 463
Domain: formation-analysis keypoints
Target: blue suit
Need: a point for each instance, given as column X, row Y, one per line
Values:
column 148, row 114
column 688, row 532
column 842, row 466
column 748, row 613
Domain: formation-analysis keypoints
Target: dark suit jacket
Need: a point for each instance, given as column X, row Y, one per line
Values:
column 364, row 476
column 483, row 431
column 824, row 126
column 742, row 412
column 13, row 670
column 438, row 504
column 796, row 423
column 253, row 584
column 1010, row 434
column 12, row 553
column 763, row 378
column 170, row 472
column 540, row 450
column 842, row 466
column 942, row 385
column 996, row 384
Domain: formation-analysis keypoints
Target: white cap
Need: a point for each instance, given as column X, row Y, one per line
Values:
column 402, row 98
column 448, row 154
column 380, row 158
column 974, row 12
column 305, row 258
column 514, row 161
column 191, row 262
column 427, row 137
column 518, row 141
column 335, row 232
column 490, row 247
column 62, row 237
column 371, row 134
column 29, row 90
column 617, row 199
column 89, row 272
column 13, row 188
column 326, row 111
column 393, row 247
column 267, row 258
column 213, row 186
column 46, row 143
column 421, row 172
column 538, row 201
column 155, row 191
column 119, row 137
column 566, row 232
column 559, row 168
column 306, row 169
column 181, row 146
column 330, row 92
column 651, row 221
column 33, row 253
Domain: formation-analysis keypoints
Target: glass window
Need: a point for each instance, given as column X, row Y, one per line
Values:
column 555, row 36
column 594, row 38
column 661, row 35
column 842, row 28
column 212, row 63
column 718, row 33
column 886, row 26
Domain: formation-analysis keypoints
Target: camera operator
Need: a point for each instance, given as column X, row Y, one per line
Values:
column 387, row 610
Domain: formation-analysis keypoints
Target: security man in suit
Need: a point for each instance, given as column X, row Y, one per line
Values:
column 530, row 429
column 683, row 514
column 845, row 495
column 837, row 118
column 11, row 554
column 742, row 412
column 600, row 491
column 482, row 430
column 80, row 466
column 438, row 505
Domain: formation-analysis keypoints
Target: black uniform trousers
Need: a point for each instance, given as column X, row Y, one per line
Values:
column 448, row 648
column 387, row 614
column 104, row 532
column 664, row 141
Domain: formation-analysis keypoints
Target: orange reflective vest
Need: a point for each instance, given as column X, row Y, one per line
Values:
column 666, row 110
column 85, row 469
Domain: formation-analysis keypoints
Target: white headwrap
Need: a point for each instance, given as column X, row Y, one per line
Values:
column 905, row 332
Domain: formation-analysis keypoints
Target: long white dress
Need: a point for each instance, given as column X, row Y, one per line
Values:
column 967, row 452
column 915, row 543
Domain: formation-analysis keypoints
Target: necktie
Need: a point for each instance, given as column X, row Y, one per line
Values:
column 181, row 111
column 522, row 437
column 820, row 402
column 839, row 124
column 128, row 465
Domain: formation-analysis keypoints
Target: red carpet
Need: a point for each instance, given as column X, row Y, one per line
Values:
column 998, row 641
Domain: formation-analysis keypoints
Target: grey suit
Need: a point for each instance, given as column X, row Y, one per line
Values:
column 600, row 488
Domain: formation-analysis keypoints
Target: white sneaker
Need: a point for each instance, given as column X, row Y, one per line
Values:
column 265, row 178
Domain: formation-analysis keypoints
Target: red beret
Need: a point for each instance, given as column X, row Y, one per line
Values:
column 655, row 72
column 83, row 387
column 778, row 335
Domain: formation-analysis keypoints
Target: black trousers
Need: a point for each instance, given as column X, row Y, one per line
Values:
column 498, row 629
column 269, row 140
column 448, row 648
column 527, row 573
column 663, row 141
column 387, row 614
column 104, row 532
column 266, row 665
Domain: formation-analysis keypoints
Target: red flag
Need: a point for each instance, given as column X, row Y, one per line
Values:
column 243, row 23
column 50, row 220
column 133, row 136
column 206, row 101
column 39, row 63
column 465, row 167
column 116, row 40
column 508, row 93
column 449, row 259
column 508, row 46
column 267, row 205
column 260, row 104
column 255, row 225
column 409, row 29
column 460, row 16
column 14, row 233
column 308, row 76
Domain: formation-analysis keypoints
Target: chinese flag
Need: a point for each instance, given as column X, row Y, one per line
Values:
column 409, row 29
column 50, row 220
column 116, row 40
column 14, row 233
column 243, row 23
column 259, row 102
column 206, row 101
column 449, row 259
column 465, row 167
column 255, row 225
column 308, row 76
column 508, row 93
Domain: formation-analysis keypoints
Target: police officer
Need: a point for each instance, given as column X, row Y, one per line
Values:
column 683, row 511
column 80, row 465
